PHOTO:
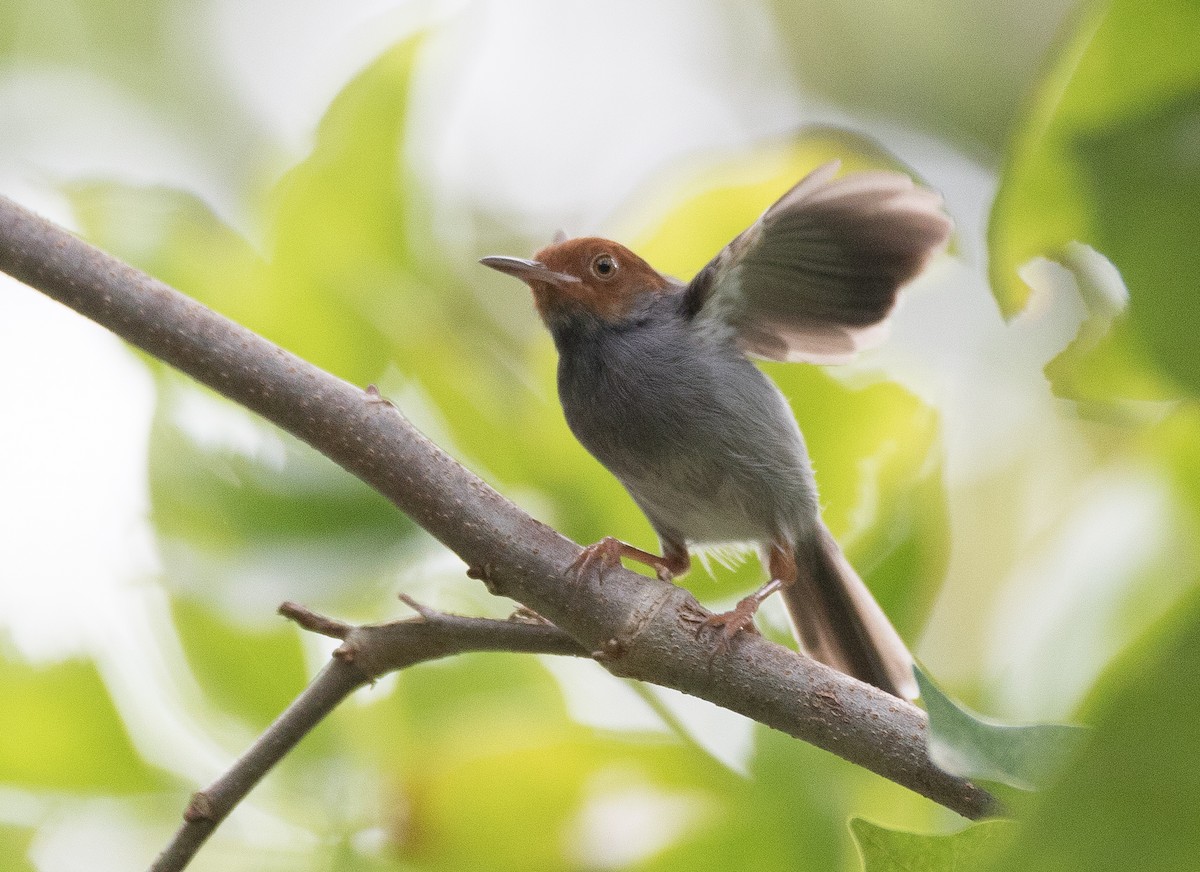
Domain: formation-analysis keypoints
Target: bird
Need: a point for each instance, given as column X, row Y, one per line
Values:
column 656, row 379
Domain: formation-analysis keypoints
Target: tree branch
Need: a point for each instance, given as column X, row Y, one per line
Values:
column 366, row 653
column 635, row 620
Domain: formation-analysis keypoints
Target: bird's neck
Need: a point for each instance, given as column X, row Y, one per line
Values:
column 576, row 329
column 573, row 332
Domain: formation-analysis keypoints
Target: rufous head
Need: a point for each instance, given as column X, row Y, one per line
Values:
column 588, row 275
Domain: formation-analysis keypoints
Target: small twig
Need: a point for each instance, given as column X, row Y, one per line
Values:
column 312, row 621
column 369, row 652
column 210, row 806
column 420, row 608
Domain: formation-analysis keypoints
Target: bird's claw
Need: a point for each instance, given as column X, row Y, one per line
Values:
column 726, row 625
column 598, row 558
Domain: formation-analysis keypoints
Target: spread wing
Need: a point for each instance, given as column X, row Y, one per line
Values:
column 817, row 275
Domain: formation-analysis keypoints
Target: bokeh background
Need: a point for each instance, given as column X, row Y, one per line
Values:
column 1015, row 473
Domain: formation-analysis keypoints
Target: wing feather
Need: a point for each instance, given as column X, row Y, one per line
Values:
column 817, row 275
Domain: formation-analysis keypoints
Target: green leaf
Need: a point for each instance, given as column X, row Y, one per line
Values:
column 1129, row 800
column 14, row 849
column 884, row 850
column 1107, row 156
column 875, row 451
column 1143, row 175
column 1174, row 440
column 342, row 269
column 1103, row 369
column 477, row 742
column 251, row 671
column 790, row 814
column 966, row 744
column 61, row 732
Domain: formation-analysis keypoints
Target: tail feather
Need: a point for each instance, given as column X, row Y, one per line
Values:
column 839, row 622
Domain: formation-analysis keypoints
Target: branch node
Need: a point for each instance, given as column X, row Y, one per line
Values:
column 346, row 653
column 611, row 649
column 313, row 622
column 199, row 808
column 374, row 397
column 486, row 573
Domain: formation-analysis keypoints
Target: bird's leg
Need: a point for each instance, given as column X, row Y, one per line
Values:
column 781, row 563
column 606, row 554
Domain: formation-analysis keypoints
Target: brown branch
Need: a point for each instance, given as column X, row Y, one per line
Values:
column 634, row 619
column 366, row 653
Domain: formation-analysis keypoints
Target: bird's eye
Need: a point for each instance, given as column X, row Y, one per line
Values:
column 604, row 266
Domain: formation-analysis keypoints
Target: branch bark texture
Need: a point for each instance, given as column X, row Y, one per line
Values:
column 632, row 620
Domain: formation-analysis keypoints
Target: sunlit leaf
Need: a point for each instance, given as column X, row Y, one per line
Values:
column 884, row 850
column 1174, row 440
column 967, row 744
column 1129, row 799
column 874, row 451
column 61, row 732
column 786, row 816
column 1103, row 368
column 341, row 267
column 790, row 814
column 233, row 499
column 1103, row 371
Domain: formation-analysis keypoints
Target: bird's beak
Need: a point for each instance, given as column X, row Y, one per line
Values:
column 528, row 270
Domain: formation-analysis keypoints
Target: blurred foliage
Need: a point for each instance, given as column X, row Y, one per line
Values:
column 478, row 763
column 1110, row 157
column 116, row 36
column 939, row 65
column 146, row 51
column 1129, row 798
column 251, row 673
column 458, row 791
column 14, row 846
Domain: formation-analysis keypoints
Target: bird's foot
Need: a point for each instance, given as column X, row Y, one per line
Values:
column 606, row 554
column 597, row 558
column 726, row 625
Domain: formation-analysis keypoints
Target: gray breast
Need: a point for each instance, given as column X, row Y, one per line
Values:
column 701, row 439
